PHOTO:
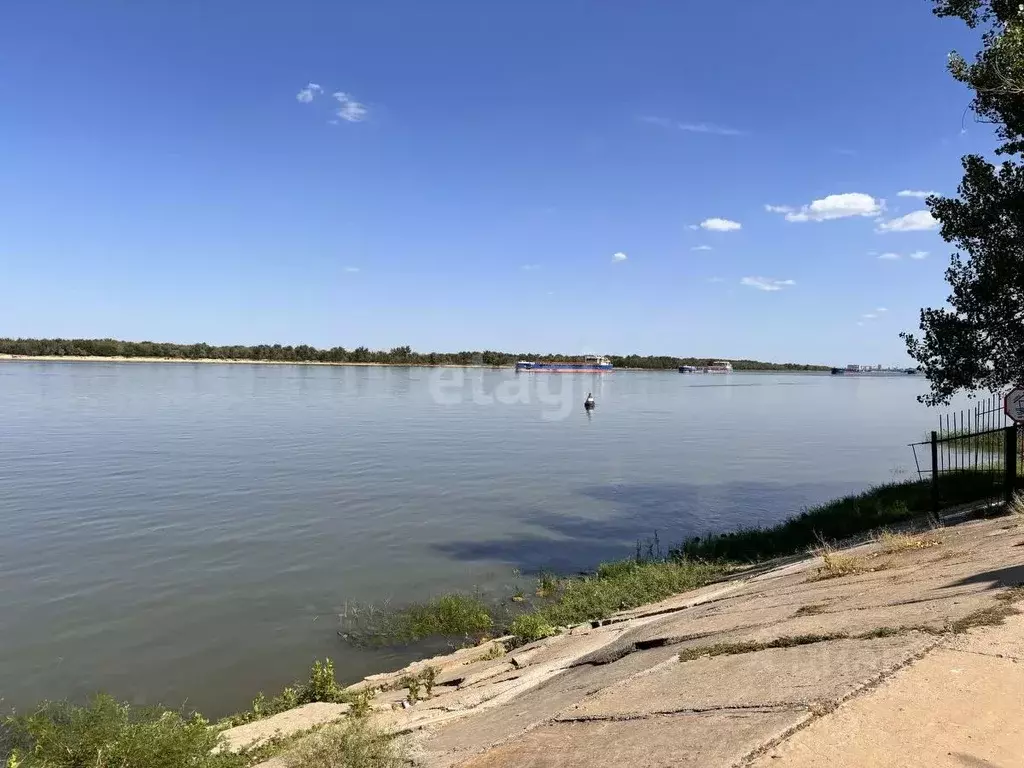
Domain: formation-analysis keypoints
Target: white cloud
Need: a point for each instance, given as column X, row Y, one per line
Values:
column 831, row 207
column 531, row 267
column 701, row 248
column 720, row 225
column 766, row 283
column 692, row 226
column 918, row 255
column 349, row 109
column 619, row 256
column 717, row 130
column 889, row 256
column 860, row 322
column 919, row 193
column 869, row 316
column 351, row 269
column 881, row 309
column 306, row 94
column 918, row 221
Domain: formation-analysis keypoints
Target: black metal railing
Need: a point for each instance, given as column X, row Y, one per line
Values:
column 980, row 446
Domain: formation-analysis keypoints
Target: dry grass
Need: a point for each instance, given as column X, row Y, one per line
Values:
column 356, row 744
column 895, row 543
column 810, row 610
column 835, row 565
column 496, row 652
column 1016, row 506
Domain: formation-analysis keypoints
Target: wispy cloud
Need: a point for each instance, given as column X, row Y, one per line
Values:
column 919, row 255
column 701, row 248
column 918, row 221
column 918, row 193
column 349, row 110
column 619, row 256
column 531, row 267
column 710, row 128
column 351, row 269
column 766, row 283
column 881, row 309
column 308, row 93
column 860, row 323
column 889, row 256
column 692, row 226
column 720, row 225
column 716, row 279
column 869, row 316
column 841, row 206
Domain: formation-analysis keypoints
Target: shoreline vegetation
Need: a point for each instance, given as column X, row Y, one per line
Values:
column 113, row 350
column 70, row 735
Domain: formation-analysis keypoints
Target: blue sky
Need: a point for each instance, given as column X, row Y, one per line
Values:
column 465, row 173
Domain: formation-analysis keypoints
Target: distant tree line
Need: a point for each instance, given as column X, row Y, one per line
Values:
column 303, row 353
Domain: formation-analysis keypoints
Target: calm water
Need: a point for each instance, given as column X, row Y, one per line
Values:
column 179, row 531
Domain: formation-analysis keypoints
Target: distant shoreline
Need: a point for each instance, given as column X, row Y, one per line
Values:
column 229, row 361
column 226, row 361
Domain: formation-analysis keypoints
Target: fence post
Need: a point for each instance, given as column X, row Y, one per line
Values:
column 1010, row 463
column 935, row 474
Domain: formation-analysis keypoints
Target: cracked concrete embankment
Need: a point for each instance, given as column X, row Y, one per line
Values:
column 917, row 661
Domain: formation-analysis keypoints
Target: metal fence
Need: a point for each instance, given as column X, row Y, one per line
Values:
column 979, row 446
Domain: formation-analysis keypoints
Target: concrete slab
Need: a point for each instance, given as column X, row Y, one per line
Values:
column 456, row 674
column 1006, row 641
column 454, row 660
column 700, row 741
column 808, row 676
column 677, row 627
column 935, row 615
column 478, row 731
column 949, row 710
column 283, row 724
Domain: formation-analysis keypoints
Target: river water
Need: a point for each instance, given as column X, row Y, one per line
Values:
column 191, row 532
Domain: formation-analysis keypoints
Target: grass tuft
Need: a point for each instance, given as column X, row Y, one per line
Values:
column 894, row 543
column 620, row 586
column 810, row 610
column 321, row 686
column 531, row 626
column 835, row 565
column 1016, row 506
column 356, row 744
column 732, row 649
column 496, row 652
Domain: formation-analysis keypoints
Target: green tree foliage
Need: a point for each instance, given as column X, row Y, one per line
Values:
column 976, row 343
column 307, row 354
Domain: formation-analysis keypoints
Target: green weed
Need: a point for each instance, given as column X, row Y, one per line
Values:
column 880, row 507
column 106, row 733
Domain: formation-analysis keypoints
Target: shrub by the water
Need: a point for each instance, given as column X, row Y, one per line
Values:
column 879, row 507
column 106, row 733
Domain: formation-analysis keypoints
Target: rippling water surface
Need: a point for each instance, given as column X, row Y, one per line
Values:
column 180, row 531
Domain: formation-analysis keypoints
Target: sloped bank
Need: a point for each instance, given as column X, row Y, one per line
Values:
column 619, row 597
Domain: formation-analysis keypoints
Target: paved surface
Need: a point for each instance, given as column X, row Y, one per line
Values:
column 782, row 670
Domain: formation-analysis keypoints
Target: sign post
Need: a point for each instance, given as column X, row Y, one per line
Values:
column 1013, row 404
